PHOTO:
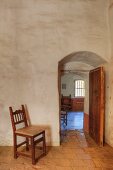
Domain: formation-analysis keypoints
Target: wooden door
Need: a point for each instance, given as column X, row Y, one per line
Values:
column 96, row 105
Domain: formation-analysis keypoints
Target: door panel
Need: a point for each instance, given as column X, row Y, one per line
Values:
column 96, row 105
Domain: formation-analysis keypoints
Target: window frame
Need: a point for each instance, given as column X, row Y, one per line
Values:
column 83, row 96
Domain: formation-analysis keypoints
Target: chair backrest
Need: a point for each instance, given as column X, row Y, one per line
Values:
column 17, row 117
column 66, row 100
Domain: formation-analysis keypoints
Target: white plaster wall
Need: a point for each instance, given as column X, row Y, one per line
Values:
column 109, row 86
column 34, row 36
column 110, row 16
column 109, row 103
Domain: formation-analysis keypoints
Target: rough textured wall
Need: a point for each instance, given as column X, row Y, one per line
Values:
column 111, row 24
column 109, row 85
column 109, row 103
column 34, row 36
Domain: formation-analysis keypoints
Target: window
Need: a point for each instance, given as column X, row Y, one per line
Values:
column 79, row 88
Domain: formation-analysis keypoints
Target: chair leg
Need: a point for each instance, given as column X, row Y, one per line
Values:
column 66, row 118
column 27, row 144
column 44, row 144
column 33, row 151
column 15, row 146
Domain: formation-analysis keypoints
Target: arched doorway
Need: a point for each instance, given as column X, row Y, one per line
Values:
column 79, row 64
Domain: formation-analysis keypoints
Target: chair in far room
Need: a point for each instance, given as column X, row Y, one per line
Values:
column 66, row 103
column 66, row 106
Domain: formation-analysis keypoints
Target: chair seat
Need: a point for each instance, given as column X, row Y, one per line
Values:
column 30, row 130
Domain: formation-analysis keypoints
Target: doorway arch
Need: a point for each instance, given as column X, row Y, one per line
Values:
column 79, row 64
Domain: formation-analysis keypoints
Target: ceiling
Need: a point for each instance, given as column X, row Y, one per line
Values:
column 81, row 61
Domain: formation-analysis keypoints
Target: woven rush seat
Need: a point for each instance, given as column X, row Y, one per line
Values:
column 30, row 131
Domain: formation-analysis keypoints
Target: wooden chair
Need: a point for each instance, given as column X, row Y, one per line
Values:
column 66, row 104
column 63, row 117
column 29, row 132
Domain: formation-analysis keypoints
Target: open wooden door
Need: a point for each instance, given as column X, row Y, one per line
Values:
column 96, row 105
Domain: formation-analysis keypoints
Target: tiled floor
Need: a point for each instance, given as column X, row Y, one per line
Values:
column 74, row 121
column 77, row 152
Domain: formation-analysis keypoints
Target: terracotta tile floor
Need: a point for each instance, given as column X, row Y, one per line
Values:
column 77, row 152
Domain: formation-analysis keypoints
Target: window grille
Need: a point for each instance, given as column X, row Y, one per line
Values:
column 79, row 88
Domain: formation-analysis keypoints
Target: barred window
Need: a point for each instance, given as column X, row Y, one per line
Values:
column 79, row 88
